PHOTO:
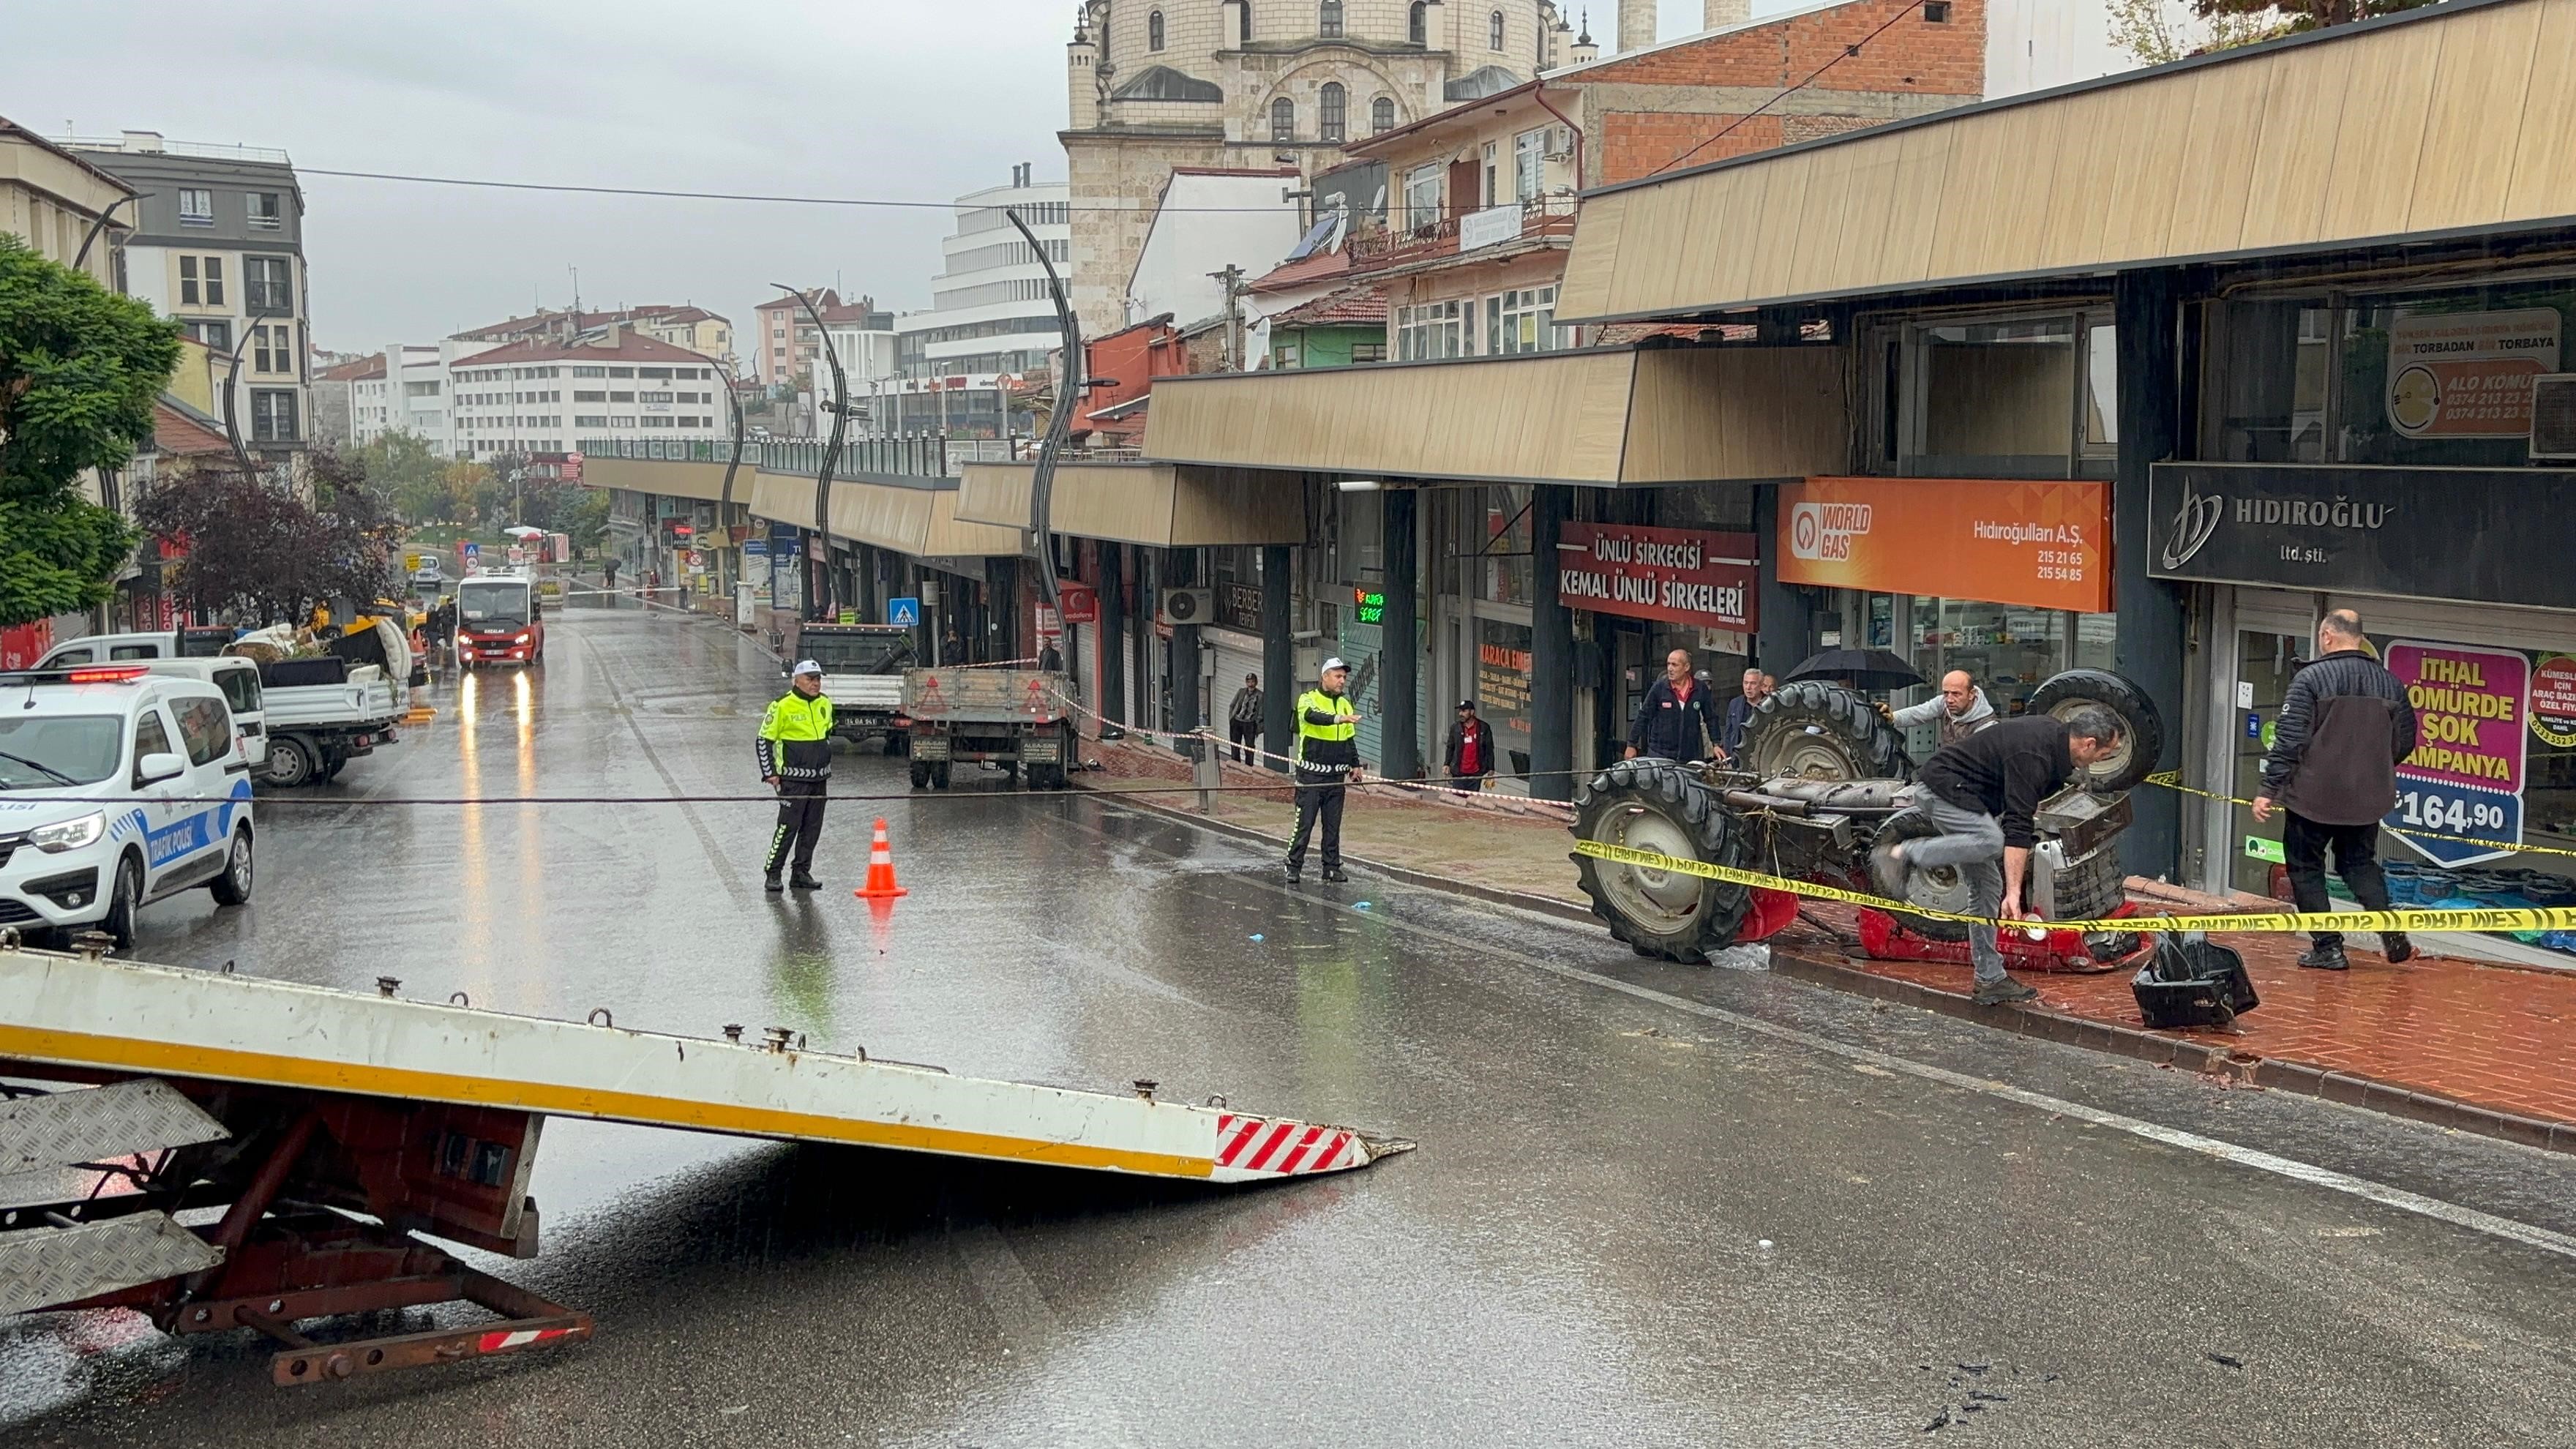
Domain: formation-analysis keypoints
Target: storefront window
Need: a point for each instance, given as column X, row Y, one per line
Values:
column 1506, row 546
column 2010, row 651
column 2429, row 379
column 1992, row 400
column 1503, row 688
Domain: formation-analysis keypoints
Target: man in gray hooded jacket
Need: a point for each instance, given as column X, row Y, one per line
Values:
column 1960, row 709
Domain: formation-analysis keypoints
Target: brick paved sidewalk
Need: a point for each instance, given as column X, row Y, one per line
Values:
column 2496, row 1039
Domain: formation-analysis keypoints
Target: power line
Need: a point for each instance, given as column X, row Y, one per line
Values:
column 1903, row 9
column 783, row 200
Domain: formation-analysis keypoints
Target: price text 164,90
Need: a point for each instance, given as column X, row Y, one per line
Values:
column 2430, row 810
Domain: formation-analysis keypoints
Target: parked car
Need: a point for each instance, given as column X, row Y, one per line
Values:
column 119, row 787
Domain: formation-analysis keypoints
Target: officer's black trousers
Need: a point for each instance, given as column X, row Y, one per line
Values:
column 1314, row 801
column 800, row 823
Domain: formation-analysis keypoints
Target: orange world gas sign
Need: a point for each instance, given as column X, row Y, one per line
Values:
column 2041, row 545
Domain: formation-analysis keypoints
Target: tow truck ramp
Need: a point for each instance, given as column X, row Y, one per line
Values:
column 333, row 1129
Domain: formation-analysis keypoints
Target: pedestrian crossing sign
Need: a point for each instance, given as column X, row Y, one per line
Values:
column 903, row 611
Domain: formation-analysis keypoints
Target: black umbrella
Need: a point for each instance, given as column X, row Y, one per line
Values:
column 1859, row 668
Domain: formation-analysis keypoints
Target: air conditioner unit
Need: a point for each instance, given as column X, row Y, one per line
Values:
column 2553, row 415
column 1560, row 144
column 1186, row 606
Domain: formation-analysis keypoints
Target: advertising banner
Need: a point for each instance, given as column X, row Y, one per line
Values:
column 2040, row 544
column 2468, row 374
column 1674, row 574
column 2553, row 701
column 2466, row 775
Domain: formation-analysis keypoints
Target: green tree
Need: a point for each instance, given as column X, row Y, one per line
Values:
column 2301, row 14
column 80, row 369
column 408, row 474
column 258, row 551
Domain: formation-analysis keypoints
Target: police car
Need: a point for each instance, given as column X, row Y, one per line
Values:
column 118, row 787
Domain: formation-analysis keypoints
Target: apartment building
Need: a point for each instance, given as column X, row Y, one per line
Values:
column 991, row 318
column 709, row 334
column 788, row 341
column 218, row 244
column 52, row 200
column 544, row 395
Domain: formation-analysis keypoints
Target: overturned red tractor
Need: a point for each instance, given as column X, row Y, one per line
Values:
column 1821, row 790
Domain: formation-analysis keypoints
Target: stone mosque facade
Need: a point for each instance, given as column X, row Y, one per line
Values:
column 1263, row 86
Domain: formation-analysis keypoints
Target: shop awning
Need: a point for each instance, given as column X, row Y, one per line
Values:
column 1600, row 417
column 1162, row 505
column 2454, row 118
column 916, row 516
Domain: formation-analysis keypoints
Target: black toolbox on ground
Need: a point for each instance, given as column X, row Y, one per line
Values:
column 2191, row 982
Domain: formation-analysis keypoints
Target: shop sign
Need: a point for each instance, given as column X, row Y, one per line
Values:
column 2553, row 700
column 1238, row 607
column 1081, row 602
column 2039, row 544
column 2468, row 374
column 2484, row 535
column 1489, row 226
column 2466, row 775
column 1678, row 575
column 1368, row 606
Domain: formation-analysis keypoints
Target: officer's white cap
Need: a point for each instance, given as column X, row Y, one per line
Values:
column 808, row 666
column 1332, row 664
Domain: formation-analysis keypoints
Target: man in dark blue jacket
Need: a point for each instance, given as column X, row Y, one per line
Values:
column 1678, row 721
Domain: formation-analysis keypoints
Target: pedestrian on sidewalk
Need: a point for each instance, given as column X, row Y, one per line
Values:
column 1981, row 793
column 1960, row 709
column 1470, row 748
column 1243, row 721
column 1677, row 720
column 795, row 751
column 608, row 573
column 1328, row 761
column 2344, row 726
column 1739, row 713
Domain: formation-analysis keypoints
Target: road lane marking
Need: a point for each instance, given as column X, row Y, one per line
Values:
column 2473, row 1219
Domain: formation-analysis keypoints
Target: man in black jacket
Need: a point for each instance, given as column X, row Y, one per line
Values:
column 1677, row 715
column 1982, row 792
column 2344, row 726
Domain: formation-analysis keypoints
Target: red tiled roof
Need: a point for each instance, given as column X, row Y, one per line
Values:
column 181, row 436
column 1306, row 271
column 541, row 321
column 359, row 371
column 631, row 347
column 1349, row 307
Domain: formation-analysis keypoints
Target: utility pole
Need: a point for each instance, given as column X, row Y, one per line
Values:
column 1232, row 280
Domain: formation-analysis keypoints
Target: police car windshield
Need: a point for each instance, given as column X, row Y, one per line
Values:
column 58, row 750
column 493, row 605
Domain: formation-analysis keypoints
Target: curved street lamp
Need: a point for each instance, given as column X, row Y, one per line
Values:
column 100, row 225
column 724, row 504
column 1068, row 391
column 232, row 390
column 831, row 450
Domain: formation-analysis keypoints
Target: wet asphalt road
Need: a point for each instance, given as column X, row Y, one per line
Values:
column 1711, row 1208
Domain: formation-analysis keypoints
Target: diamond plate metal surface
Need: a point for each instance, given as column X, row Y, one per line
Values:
column 96, row 1124
column 44, row 1266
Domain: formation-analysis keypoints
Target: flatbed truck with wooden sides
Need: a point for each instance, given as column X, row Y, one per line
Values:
column 1017, row 718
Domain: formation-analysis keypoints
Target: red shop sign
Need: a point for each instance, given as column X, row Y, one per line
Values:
column 1676, row 574
column 1081, row 602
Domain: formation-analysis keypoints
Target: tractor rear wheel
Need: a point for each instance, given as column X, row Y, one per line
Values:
column 1657, row 806
column 1815, row 730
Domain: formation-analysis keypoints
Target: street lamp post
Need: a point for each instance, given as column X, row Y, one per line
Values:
column 831, row 449
column 1068, row 388
column 232, row 390
column 724, row 504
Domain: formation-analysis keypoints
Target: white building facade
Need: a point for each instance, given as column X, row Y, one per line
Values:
column 544, row 396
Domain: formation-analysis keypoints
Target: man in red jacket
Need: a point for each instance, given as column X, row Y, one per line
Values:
column 1471, row 748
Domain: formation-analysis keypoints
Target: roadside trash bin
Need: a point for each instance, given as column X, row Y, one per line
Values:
column 2190, row 982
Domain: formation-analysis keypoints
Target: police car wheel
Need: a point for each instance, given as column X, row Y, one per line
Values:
column 118, row 923
column 232, row 888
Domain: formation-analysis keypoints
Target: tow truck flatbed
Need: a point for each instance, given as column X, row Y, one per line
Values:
column 423, row 1115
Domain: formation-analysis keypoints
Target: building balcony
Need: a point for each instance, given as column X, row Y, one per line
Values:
column 1533, row 220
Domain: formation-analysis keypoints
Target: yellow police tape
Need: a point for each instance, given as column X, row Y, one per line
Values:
column 2554, row 918
column 2172, row 780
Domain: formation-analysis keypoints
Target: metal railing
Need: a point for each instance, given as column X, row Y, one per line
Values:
column 919, row 457
column 1540, row 216
column 204, row 150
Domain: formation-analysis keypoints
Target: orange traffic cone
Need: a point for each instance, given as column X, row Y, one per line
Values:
column 880, row 886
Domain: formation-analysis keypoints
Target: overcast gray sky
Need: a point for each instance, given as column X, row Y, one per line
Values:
column 912, row 99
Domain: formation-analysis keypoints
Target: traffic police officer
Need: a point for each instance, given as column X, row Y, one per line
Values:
column 1328, row 758
column 796, row 759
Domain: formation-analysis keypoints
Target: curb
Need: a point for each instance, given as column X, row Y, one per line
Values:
column 2187, row 1054
column 2181, row 1053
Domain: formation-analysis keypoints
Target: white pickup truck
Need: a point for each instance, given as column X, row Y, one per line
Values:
column 316, row 714
column 863, row 677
